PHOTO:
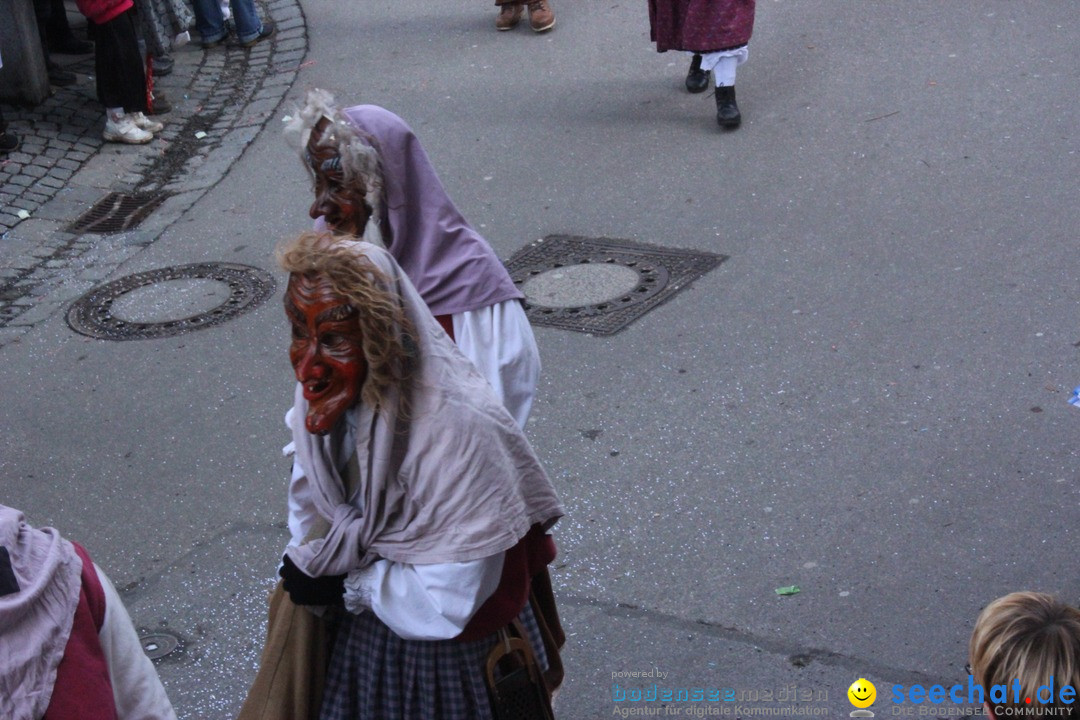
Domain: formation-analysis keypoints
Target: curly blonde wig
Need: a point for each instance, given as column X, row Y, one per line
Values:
column 386, row 330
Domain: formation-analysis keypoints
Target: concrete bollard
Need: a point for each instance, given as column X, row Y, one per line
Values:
column 23, row 78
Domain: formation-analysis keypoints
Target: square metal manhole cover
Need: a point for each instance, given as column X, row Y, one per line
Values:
column 601, row 285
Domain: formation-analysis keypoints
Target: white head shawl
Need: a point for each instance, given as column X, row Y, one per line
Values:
column 449, row 479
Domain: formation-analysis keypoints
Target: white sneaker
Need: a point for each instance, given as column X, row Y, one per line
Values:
column 125, row 130
column 144, row 123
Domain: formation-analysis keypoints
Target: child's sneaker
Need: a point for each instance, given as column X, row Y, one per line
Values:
column 144, row 123
column 124, row 130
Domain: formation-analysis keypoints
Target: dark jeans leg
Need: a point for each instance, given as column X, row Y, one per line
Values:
column 209, row 22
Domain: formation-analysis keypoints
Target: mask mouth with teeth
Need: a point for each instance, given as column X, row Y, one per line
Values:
column 352, row 339
column 326, row 351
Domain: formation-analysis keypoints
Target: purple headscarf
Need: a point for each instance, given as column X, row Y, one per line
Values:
column 448, row 262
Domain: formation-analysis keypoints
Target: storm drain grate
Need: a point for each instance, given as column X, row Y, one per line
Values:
column 243, row 287
column 117, row 212
column 601, row 285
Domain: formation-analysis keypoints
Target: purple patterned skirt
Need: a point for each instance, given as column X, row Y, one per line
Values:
column 700, row 25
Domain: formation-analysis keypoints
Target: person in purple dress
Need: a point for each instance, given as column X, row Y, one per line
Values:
column 374, row 181
column 716, row 33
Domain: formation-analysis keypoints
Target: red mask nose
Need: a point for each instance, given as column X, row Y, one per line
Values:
column 310, row 367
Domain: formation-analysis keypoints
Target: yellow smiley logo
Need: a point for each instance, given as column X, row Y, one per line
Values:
column 862, row 693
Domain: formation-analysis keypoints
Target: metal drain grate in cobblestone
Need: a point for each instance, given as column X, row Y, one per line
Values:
column 117, row 212
column 601, row 285
column 244, row 288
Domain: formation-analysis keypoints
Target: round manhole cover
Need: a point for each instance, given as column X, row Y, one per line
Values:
column 158, row 644
column 579, row 285
column 169, row 301
column 590, row 285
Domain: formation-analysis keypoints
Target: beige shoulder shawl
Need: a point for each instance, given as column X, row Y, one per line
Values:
column 453, row 479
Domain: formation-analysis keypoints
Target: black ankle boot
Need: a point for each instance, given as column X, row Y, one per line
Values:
column 58, row 76
column 727, row 112
column 697, row 80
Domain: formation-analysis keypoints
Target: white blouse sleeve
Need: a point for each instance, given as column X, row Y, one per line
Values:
column 424, row 602
column 137, row 691
column 499, row 341
column 302, row 513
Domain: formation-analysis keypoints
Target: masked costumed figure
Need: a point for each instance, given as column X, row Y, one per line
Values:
column 417, row 507
column 716, row 33
column 374, row 181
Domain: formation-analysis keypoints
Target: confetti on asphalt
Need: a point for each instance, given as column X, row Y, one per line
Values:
column 1075, row 399
column 788, row 590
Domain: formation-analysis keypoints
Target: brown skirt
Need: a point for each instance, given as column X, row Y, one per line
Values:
column 292, row 671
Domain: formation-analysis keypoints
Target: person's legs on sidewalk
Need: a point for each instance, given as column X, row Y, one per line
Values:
column 723, row 65
column 57, row 75
column 121, row 83
column 697, row 80
column 61, row 39
column 209, row 22
column 118, row 65
column 541, row 16
column 249, row 29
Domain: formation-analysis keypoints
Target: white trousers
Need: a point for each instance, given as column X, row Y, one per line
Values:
column 723, row 64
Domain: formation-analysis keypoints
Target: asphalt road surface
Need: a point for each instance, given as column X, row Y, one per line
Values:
column 866, row 400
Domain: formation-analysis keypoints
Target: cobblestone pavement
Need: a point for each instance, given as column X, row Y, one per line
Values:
column 221, row 99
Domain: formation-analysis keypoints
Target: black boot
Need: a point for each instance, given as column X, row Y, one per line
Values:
column 9, row 142
column 697, row 80
column 163, row 65
column 727, row 112
column 58, row 76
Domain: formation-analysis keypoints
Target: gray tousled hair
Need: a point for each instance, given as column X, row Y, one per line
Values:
column 359, row 156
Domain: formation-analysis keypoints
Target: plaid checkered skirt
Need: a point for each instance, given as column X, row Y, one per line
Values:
column 375, row 674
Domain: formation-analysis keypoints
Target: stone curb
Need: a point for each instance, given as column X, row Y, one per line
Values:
column 222, row 98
